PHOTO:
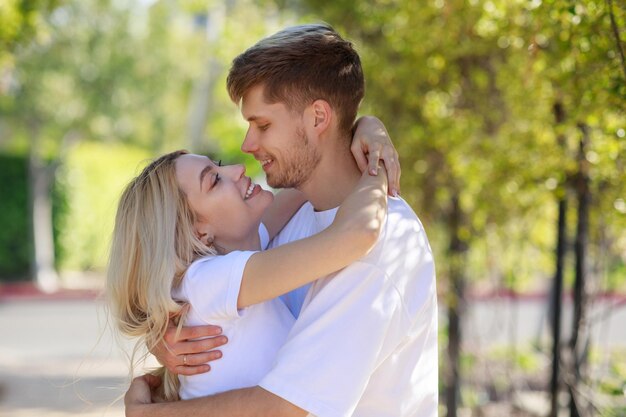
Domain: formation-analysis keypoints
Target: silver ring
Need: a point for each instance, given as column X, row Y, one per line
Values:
column 185, row 360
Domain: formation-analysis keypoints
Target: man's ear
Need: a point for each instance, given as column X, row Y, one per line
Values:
column 321, row 115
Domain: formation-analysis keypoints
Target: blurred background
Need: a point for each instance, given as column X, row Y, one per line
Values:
column 510, row 120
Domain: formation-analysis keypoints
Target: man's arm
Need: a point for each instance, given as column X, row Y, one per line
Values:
column 247, row 402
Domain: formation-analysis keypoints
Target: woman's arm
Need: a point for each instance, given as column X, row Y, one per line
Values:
column 370, row 144
column 286, row 204
column 352, row 234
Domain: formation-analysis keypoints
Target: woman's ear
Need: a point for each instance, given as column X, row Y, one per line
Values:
column 204, row 233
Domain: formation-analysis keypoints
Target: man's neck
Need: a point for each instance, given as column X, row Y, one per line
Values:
column 333, row 179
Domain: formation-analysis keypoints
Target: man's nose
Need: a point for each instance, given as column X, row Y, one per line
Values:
column 250, row 144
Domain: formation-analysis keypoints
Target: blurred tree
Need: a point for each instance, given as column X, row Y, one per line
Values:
column 20, row 21
column 78, row 78
column 467, row 90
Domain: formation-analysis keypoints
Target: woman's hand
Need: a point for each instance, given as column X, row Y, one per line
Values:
column 189, row 353
column 361, row 215
column 371, row 144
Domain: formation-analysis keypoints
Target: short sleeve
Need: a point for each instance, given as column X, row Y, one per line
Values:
column 212, row 285
column 344, row 326
column 264, row 236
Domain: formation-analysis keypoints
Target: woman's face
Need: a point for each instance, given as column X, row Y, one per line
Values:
column 228, row 204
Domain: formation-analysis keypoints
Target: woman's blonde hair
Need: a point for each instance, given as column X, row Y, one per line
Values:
column 154, row 242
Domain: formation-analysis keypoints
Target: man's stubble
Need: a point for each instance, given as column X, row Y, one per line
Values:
column 297, row 164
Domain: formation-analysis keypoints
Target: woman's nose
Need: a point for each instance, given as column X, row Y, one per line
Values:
column 235, row 172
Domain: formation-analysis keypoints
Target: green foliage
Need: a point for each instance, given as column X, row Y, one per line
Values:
column 15, row 238
column 94, row 176
column 14, row 224
column 20, row 21
column 467, row 90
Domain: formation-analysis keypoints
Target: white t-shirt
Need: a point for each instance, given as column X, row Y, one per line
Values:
column 365, row 342
column 255, row 334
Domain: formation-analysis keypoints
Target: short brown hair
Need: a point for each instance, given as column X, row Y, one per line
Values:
column 299, row 65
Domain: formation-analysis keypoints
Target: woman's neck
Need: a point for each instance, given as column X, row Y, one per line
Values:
column 251, row 242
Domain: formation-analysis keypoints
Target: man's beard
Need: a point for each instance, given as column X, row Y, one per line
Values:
column 297, row 163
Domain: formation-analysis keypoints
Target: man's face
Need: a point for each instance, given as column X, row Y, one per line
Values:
column 277, row 139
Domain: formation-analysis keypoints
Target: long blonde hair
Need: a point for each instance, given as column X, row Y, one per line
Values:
column 154, row 242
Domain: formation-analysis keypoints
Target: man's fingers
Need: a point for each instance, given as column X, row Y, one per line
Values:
column 197, row 332
column 201, row 358
column 200, row 346
column 191, row 370
column 197, row 346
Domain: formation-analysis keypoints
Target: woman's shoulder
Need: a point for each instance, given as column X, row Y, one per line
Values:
column 218, row 263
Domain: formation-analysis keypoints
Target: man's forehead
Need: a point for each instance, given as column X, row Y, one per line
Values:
column 254, row 106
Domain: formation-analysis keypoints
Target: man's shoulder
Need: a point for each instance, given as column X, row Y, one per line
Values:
column 403, row 235
column 401, row 219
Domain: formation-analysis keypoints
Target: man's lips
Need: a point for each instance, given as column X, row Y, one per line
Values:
column 266, row 163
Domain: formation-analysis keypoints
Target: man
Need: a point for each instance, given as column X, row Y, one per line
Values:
column 365, row 342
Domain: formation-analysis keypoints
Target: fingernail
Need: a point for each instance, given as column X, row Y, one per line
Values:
column 373, row 172
column 394, row 193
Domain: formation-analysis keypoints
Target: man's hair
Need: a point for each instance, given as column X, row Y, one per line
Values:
column 299, row 65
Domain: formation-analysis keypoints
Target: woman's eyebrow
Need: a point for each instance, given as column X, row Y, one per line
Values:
column 203, row 173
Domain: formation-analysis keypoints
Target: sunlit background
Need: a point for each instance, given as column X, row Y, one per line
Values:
column 510, row 120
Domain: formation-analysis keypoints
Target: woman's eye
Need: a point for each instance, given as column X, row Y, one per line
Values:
column 264, row 127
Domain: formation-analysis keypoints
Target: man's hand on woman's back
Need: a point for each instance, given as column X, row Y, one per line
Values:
column 190, row 352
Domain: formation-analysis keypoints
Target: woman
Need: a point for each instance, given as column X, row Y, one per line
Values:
column 187, row 243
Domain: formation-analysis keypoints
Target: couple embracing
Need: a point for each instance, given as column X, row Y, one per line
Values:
column 322, row 298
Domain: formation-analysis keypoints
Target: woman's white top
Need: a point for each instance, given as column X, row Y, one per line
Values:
column 255, row 334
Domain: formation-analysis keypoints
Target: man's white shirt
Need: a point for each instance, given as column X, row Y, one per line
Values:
column 365, row 341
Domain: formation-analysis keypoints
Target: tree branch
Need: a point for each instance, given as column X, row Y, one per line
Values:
column 618, row 41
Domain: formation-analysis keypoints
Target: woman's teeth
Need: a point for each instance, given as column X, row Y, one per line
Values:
column 249, row 191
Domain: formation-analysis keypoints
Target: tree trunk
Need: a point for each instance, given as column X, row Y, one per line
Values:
column 202, row 100
column 40, row 183
column 456, row 307
column 579, row 343
column 557, row 291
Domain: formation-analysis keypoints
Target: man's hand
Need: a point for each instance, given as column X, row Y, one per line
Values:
column 140, row 393
column 189, row 353
column 370, row 144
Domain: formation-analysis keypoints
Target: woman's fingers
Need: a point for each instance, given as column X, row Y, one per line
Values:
column 372, row 159
column 359, row 155
column 392, row 165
